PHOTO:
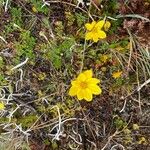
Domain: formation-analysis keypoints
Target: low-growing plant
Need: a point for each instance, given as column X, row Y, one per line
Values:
column 25, row 46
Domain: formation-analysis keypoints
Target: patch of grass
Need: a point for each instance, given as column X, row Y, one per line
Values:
column 56, row 53
column 16, row 18
column 25, row 46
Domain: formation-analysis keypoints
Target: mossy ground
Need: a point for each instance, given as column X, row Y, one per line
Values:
column 47, row 40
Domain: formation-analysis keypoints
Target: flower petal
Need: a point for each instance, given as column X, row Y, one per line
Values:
column 81, row 77
column 89, row 26
column 74, row 83
column 101, row 34
column 100, row 24
column 95, row 37
column 117, row 74
column 95, row 89
column 73, row 91
column 107, row 25
column 88, row 35
column 88, row 73
column 88, row 95
column 80, row 94
column 93, row 81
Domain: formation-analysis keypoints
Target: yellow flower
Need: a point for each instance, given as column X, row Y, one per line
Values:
column 107, row 25
column 2, row 107
column 34, row 9
column 117, row 74
column 85, row 86
column 104, row 58
column 94, row 30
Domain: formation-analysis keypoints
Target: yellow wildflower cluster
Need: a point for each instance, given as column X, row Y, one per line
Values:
column 96, row 30
column 85, row 86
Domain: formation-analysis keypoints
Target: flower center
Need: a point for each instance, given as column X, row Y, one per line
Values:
column 83, row 85
column 94, row 29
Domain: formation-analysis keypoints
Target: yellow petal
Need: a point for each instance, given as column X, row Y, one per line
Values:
column 73, row 91
column 80, row 94
column 93, row 81
column 100, row 24
column 88, row 73
column 101, row 34
column 74, row 83
column 88, row 35
column 117, row 74
column 81, row 77
column 95, row 89
column 107, row 25
column 95, row 37
column 88, row 95
column 89, row 26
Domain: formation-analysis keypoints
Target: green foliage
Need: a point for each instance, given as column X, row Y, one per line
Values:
column 60, row 50
column 80, row 19
column 38, row 6
column 46, row 142
column 54, row 145
column 9, row 28
column 27, row 121
column 45, row 21
column 122, row 43
column 119, row 123
column 65, row 47
column 114, row 26
column 1, row 6
column 2, row 79
column 110, row 9
column 56, row 59
column 4, row 120
column 104, row 47
column 25, row 45
column 16, row 18
column 70, row 18
column 59, row 29
column 118, row 83
column 67, row 111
